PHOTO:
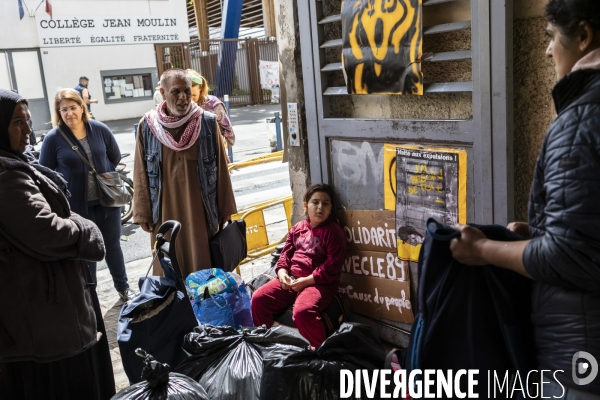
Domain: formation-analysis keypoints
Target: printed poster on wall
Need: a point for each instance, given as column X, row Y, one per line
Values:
column 406, row 251
column 382, row 46
column 374, row 280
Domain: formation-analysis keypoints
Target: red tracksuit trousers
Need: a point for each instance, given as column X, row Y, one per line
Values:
column 309, row 303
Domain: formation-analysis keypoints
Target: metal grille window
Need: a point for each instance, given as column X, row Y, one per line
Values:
column 467, row 67
column 466, row 105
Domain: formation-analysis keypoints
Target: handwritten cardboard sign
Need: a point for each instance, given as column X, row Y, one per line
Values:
column 375, row 281
column 369, row 230
column 378, row 298
column 376, row 264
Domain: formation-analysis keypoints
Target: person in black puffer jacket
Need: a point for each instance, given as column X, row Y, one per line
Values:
column 562, row 255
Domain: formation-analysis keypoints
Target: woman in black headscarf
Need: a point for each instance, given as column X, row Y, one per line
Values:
column 52, row 339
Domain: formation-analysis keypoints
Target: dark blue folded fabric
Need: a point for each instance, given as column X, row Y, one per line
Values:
column 470, row 317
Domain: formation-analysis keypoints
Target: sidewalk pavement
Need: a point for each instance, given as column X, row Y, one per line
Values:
column 111, row 305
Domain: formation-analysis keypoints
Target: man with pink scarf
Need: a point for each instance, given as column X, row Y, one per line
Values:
column 181, row 172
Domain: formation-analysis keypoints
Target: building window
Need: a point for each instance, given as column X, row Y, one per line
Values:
column 129, row 85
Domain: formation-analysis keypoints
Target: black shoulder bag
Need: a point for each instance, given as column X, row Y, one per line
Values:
column 228, row 247
column 111, row 191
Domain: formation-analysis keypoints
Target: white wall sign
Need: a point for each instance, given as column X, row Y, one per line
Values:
column 294, row 131
column 269, row 73
column 89, row 31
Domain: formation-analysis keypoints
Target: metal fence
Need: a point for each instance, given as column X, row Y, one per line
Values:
column 230, row 66
column 171, row 56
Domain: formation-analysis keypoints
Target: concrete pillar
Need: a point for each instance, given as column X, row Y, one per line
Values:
column 534, row 78
column 292, row 91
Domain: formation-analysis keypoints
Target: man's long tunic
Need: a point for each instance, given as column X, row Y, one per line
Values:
column 182, row 200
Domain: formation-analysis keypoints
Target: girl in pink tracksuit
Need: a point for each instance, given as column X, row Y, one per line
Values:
column 308, row 269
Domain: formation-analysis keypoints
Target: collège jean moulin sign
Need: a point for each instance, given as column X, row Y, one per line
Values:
column 89, row 31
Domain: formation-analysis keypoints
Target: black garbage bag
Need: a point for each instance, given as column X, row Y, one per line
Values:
column 261, row 279
column 315, row 375
column 159, row 384
column 229, row 364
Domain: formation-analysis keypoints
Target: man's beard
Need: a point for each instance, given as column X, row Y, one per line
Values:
column 175, row 112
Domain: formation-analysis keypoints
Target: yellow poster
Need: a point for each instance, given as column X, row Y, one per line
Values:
column 423, row 182
column 382, row 46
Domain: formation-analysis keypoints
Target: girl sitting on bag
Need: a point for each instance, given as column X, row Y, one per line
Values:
column 97, row 143
column 308, row 269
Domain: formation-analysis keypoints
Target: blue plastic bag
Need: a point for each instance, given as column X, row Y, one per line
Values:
column 215, row 279
column 214, row 310
column 240, row 305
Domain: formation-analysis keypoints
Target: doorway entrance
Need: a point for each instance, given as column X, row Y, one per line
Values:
column 21, row 70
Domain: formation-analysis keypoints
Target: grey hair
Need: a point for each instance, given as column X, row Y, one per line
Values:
column 168, row 75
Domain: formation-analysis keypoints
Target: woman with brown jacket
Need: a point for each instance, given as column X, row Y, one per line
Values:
column 52, row 339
